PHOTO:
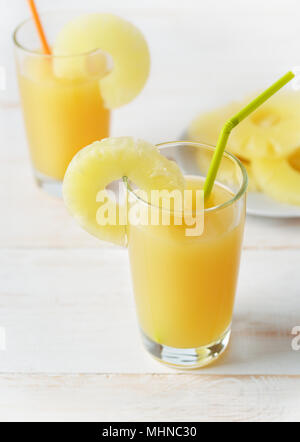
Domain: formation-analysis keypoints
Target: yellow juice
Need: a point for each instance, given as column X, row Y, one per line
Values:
column 185, row 286
column 61, row 115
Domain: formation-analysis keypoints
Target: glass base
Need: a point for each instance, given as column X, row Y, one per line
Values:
column 187, row 358
column 49, row 185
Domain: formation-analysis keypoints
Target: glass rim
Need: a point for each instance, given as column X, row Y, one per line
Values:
column 19, row 45
column 237, row 195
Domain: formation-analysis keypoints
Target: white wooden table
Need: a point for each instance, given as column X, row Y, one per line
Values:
column 72, row 345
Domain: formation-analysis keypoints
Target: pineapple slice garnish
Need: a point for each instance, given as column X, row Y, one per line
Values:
column 114, row 36
column 96, row 166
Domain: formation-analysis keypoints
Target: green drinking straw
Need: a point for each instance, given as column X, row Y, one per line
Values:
column 232, row 123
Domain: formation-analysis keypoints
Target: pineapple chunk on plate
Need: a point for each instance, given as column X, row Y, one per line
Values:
column 278, row 179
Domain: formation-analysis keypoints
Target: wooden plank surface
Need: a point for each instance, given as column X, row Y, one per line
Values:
column 149, row 398
column 72, row 311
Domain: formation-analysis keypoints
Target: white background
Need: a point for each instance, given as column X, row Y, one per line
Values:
column 204, row 53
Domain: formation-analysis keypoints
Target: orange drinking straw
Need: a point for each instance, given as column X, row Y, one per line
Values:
column 39, row 27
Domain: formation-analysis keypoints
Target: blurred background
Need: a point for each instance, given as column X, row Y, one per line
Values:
column 204, row 53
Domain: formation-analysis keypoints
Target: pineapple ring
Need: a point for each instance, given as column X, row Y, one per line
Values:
column 114, row 36
column 103, row 162
column 278, row 179
column 272, row 131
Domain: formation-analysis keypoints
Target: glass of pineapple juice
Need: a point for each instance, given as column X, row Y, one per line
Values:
column 185, row 285
column 61, row 115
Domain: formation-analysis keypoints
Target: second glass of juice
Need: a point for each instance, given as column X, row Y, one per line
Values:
column 185, row 285
column 62, row 115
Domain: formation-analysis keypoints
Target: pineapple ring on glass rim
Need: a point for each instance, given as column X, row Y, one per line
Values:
column 278, row 179
column 272, row 131
column 103, row 162
column 114, row 36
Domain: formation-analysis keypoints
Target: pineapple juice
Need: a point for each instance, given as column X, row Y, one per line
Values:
column 61, row 115
column 185, row 286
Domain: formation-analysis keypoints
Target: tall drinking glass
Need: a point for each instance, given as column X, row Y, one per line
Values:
column 62, row 114
column 185, row 286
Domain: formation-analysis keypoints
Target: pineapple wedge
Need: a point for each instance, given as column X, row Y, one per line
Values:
column 103, row 162
column 278, row 179
column 114, row 36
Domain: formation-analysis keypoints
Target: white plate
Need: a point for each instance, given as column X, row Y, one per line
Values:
column 259, row 204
